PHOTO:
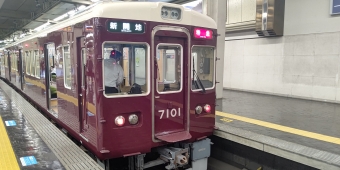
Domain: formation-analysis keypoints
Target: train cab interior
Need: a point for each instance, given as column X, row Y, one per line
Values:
column 169, row 64
column 134, row 63
column 203, row 71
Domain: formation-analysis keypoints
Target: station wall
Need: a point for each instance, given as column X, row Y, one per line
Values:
column 304, row 63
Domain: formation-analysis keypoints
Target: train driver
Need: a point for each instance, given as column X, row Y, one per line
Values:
column 113, row 72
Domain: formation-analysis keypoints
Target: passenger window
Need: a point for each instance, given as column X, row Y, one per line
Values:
column 169, row 61
column 5, row 61
column 67, row 67
column 125, row 69
column 202, row 66
column 28, row 66
column 32, row 63
column 15, row 62
column 37, row 64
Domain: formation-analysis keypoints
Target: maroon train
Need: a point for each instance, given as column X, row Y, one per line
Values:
column 165, row 105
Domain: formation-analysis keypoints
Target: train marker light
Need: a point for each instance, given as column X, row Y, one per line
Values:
column 198, row 109
column 133, row 119
column 207, row 108
column 120, row 120
column 203, row 33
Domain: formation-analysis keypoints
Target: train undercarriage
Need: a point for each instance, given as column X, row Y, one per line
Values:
column 185, row 156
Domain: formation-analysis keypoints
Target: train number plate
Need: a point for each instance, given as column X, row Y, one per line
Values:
column 165, row 114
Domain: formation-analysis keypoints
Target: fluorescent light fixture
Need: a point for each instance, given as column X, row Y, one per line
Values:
column 69, row 13
column 81, row 7
column 42, row 26
column 95, row 0
column 192, row 4
column 60, row 17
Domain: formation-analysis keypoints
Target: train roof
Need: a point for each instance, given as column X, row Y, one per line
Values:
column 143, row 11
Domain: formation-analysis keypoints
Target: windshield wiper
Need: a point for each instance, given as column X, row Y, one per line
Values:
column 198, row 79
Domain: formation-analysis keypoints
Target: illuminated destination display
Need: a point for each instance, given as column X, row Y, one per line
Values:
column 203, row 33
column 126, row 27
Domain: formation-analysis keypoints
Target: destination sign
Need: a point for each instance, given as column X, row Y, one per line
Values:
column 126, row 27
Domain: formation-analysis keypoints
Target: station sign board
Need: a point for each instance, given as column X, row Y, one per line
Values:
column 126, row 27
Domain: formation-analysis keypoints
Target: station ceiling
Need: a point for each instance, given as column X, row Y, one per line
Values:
column 19, row 16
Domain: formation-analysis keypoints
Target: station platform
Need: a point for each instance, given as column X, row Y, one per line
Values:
column 29, row 140
column 300, row 130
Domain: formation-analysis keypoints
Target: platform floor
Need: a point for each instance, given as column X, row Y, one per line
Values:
column 29, row 141
column 300, row 130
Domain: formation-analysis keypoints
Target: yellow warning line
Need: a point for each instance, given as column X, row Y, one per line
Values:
column 8, row 160
column 299, row 132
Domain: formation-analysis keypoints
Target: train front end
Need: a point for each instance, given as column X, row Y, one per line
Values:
column 155, row 84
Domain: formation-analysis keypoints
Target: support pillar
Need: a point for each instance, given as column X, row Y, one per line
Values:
column 217, row 10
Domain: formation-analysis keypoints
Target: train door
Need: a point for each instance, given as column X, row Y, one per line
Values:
column 9, row 66
column 81, row 64
column 170, row 86
column 51, row 78
column 20, row 70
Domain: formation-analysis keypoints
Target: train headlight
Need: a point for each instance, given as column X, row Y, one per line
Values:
column 133, row 119
column 198, row 109
column 207, row 108
column 120, row 120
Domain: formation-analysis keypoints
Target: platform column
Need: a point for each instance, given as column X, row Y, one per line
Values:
column 217, row 10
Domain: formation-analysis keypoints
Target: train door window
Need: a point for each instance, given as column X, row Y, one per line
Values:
column 37, row 63
column 11, row 61
column 11, row 56
column 169, row 61
column 125, row 69
column 67, row 67
column 32, row 63
column 202, row 67
column 6, row 64
column 28, row 66
column 83, row 55
column 15, row 62
column 26, row 59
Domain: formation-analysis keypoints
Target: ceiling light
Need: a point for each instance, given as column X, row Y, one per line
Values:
column 42, row 26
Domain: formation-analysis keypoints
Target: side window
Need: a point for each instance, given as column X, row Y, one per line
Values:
column 169, row 68
column 37, row 63
column 125, row 68
column 15, row 62
column 67, row 67
column 5, row 61
column 11, row 60
column 25, row 61
column 202, row 67
column 28, row 66
column 32, row 63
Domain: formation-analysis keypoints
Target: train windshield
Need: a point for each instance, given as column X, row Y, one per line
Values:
column 203, row 65
column 125, row 69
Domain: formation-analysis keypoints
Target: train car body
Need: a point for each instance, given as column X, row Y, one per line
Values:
column 167, row 95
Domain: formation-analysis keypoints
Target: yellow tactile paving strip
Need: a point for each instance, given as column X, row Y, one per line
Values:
column 8, row 160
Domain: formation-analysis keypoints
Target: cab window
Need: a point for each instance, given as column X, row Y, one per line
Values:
column 125, row 69
column 202, row 67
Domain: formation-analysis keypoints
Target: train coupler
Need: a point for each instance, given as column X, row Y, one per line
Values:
column 177, row 157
